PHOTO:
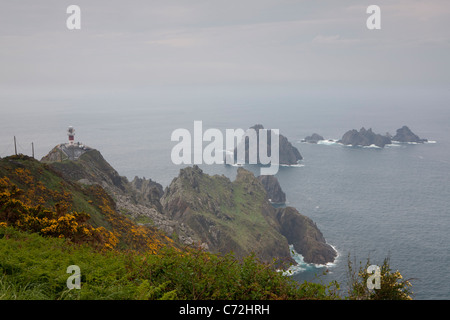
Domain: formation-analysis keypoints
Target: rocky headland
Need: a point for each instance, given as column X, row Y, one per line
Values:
column 212, row 212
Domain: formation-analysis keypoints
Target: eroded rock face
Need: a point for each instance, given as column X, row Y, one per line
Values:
column 147, row 191
column 226, row 216
column 236, row 216
column 90, row 168
column 273, row 189
column 364, row 137
column 303, row 234
column 404, row 134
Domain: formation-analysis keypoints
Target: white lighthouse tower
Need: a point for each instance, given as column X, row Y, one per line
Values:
column 71, row 134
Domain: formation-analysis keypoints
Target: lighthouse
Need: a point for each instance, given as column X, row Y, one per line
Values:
column 71, row 134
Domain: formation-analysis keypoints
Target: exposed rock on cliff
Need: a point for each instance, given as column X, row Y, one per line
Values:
column 288, row 154
column 226, row 216
column 138, row 199
column 236, row 216
column 364, row 138
column 404, row 134
column 212, row 211
column 147, row 191
column 314, row 138
column 89, row 168
column 273, row 189
column 304, row 235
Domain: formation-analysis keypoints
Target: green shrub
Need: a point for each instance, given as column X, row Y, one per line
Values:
column 392, row 284
column 34, row 267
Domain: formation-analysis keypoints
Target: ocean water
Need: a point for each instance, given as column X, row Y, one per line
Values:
column 368, row 202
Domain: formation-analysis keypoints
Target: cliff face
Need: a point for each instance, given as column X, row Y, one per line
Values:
column 364, row 137
column 236, row 216
column 273, row 189
column 404, row 134
column 89, row 168
column 226, row 216
column 304, row 235
column 288, row 154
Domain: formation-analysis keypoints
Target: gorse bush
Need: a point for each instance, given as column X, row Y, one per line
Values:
column 33, row 267
column 16, row 210
column 392, row 284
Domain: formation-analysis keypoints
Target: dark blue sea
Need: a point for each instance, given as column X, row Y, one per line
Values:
column 368, row 202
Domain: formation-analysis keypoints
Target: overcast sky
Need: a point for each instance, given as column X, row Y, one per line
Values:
column 139, row 44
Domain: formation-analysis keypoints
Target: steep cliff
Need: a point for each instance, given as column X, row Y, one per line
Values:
column 273, row 189
column 303, row 234
column 236, row 216
column 226, row 216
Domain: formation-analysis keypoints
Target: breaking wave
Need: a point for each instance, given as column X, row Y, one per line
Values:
column 302, row 265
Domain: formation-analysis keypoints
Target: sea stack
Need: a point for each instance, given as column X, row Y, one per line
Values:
column 404, row 134
column 364, row 138
column 288, row 154
column 314, row 138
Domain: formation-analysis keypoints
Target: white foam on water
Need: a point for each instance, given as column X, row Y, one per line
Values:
column 298, row 165
column 302, row 265
column 372, row 146
column 328, row 142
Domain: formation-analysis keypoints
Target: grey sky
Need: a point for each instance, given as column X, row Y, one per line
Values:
column 136, row 44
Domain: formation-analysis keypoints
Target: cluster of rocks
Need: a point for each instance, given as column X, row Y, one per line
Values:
column 366, row 137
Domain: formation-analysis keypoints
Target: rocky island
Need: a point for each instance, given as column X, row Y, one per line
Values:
column 288, row 154
column 404, row 134
column 314, row 138
column 365, row 138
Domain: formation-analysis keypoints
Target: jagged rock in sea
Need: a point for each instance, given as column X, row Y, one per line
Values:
column 314, row 138
column 273, row 189
column 364, row 137
column 404, row 134
column 236, row 216
column 288, row 154
column 304, row 235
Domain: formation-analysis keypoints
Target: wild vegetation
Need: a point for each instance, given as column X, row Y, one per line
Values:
column 48, row 224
